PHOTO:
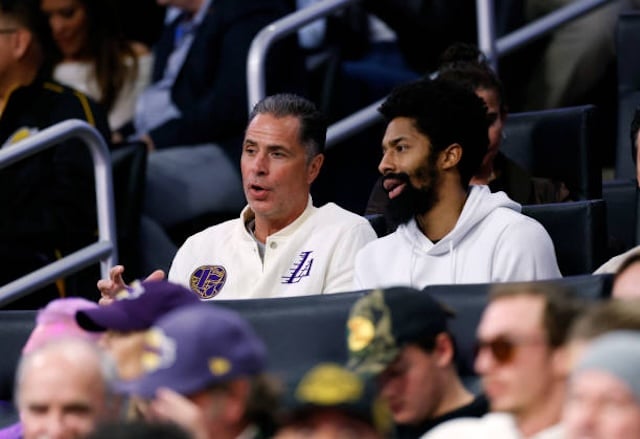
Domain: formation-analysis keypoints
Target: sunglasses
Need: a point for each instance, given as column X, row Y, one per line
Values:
column 503, row 349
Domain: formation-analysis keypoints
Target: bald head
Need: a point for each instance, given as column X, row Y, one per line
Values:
column 63, row 389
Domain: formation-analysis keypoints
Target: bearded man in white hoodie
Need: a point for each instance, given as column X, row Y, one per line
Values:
column 448, row 231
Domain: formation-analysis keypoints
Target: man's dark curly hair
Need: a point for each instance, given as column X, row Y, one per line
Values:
column 446, row 113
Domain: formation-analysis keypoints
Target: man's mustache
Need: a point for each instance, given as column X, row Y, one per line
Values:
column 403, row 177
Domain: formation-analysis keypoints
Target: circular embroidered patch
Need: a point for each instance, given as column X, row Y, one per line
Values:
column 207, row 280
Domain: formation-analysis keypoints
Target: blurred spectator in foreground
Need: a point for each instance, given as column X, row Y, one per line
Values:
column 204, row 370
column 603, row 400
column 56, row 321
column 400, row 337
column 600, row 318
column 64, row 389
column 122, row 323
column 330, row 401
column 523, row 363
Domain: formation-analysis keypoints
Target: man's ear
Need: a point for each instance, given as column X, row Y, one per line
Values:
column 21, row 41
column 314, row 168
column 450, row 156
column 443, row 349
column 235, row 407
column 561, row 362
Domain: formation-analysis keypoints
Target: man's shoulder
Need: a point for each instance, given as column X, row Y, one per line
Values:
column 56, row 91
column 379, row 246
column 68, row 103
column 221, row 230
column 513, row 221
column 44, row 103
column 334, row 216
column 612, row 265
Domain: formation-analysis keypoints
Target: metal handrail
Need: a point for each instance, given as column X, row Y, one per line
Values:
column 256, row 75
column 491, row 46
column 494, row 48
column 105, row 249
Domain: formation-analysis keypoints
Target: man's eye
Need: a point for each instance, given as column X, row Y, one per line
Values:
column 68, row 13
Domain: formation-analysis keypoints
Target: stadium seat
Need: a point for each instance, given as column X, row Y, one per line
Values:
column 627, row 43
column 578, row 231
column 129, row 164
column 15, row 328
column 299, row 331
column 621, row 198
column 560, row 144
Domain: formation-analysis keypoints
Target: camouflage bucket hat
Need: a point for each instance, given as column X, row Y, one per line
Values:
column 383, row 321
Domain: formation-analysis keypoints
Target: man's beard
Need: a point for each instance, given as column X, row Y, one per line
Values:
column 412, row 200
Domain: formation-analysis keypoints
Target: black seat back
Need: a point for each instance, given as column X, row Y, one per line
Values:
column 621, row 198
column 627, row 43
column 578, row 231
column 560, row 144
column 129, row 164
column 299, row 331
column 15, row 328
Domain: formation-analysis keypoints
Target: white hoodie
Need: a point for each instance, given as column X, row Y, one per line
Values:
column 491, row 242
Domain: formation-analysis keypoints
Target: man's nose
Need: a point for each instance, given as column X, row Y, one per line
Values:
column 386, row 165
column 261, row 164
column 54, row 427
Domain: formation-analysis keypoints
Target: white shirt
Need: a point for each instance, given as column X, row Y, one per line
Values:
column 313, row 255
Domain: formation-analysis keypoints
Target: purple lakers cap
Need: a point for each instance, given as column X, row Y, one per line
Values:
column 195, row 347
column 137, row 307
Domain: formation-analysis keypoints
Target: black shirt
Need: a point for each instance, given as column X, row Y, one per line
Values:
column 475, row 409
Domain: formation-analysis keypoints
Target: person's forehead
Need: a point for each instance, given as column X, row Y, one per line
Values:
column 62, row 385
column 601, row 383
column 518, row 315
column 268, row 129
column 59, row 4
column 403, row 129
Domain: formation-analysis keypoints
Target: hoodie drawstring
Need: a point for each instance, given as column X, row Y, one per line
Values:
column 452, row 268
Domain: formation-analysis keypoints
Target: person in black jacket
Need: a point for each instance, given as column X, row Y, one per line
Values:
column 48, row 200
column 193, row 114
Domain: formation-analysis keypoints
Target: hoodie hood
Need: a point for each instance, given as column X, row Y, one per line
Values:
column 480, row 203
